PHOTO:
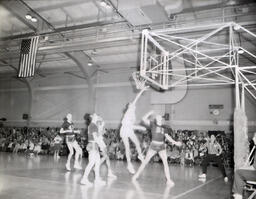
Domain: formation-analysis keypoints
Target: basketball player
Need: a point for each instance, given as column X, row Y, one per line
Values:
column 157, row 144
column 68, row 129
column 94, row 155
column 103, row 147
column 127, row 131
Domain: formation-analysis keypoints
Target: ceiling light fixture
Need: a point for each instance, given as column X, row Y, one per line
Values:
column 90, row 63
column 28, row 17
column 33, row 19
column 104, row 4
column 231, row 2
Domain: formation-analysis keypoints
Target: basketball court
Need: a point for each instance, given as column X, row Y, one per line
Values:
column 41, row 177
column 195, row 60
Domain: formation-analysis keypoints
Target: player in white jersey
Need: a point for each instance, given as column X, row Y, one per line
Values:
column 127, row 131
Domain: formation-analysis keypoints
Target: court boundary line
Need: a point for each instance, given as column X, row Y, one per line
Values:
column 78, row 184
column 195, row 188
column 149, row 193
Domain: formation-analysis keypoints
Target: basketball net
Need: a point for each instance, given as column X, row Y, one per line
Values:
column 139, row 81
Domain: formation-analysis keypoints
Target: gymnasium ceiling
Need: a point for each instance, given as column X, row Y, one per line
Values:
column 107, row 34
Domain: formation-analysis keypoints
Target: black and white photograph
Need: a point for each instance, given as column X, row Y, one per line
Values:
column 128, row 99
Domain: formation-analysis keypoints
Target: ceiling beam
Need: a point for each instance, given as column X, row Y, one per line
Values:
column 115, row 8
column 86, row 46
column 69, row 47
column 63, row 29
column 19, row 12
column 19, row 9
column 42, row 22
column 63, row 4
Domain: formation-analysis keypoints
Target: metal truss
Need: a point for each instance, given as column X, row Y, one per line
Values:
column 210, row 55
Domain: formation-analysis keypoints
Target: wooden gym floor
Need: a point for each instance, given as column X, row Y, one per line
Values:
column 43, row 177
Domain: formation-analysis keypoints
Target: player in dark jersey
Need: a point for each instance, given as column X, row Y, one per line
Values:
column 69, row 131
column 157, row 144
column 94, row 154
column 103, row 147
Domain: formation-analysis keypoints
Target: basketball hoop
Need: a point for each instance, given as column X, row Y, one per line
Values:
column 139, row 81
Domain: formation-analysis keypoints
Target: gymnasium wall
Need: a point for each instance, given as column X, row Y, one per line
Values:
column 54, row 96
column 13, row 99
column 193, row 111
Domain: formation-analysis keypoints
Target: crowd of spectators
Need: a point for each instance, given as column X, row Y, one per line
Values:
column 28, row 140
column 40, row 141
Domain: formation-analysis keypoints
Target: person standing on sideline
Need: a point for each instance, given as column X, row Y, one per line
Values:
column 69, row 131
column 157, row 145
column 127, row 131
column 214, row 154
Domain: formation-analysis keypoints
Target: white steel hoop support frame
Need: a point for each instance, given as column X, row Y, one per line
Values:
column 169, row 59
column 207, row 61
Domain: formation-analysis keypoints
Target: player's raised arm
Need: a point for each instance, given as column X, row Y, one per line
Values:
column 139, row 94
column 145, row 118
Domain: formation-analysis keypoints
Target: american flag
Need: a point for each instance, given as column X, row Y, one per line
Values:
column 28, row 57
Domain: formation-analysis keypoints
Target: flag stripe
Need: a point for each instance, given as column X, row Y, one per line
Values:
column 34, row 50
column 25, row 65
column 31, row 58
column 28, row 57
column 34, row 55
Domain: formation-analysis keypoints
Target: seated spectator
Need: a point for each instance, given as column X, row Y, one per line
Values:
column 5, row 145
column 112, row 149
column 168, row 152
column 2, row 142
column 120, row 150
column 38, row 148
column 134, row 154
column 57, row 145
column 119, row 154
column 51, row 147
column 156, row 158
column 182, row 157
column 10, row 146
column 13, row 139
column 24, row 145
column 45, row 145
column 174, row 155
column 189, row 157
column 17, row 147
column 248, row 172
column 31, row 147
